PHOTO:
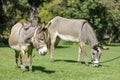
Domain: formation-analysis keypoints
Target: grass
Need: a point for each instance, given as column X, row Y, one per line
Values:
column 65, row 67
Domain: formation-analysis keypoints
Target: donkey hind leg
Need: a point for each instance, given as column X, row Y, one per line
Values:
column 30, row 58
column 16, row 58
column 85, row 55
column 23, row 68
column 52, row 47
column 21, row 59
column 83, row 52
column 79, row 55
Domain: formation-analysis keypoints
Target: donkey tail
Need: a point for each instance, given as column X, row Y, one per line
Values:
column 47, row 26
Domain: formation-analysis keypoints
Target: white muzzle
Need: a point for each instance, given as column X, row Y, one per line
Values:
column 43, row 50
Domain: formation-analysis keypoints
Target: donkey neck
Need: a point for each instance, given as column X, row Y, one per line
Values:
column 92, row 39
column 28, row 34
column 91, row 36
column 93, row 42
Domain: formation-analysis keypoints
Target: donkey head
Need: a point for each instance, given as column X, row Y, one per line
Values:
column 39, row 41
column 96, row 54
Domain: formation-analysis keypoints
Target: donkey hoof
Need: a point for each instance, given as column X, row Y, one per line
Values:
column 16, row 66
column 52, row 60
column 86, row 64
column 79, row 62
column 24, row 70
column 30, row 70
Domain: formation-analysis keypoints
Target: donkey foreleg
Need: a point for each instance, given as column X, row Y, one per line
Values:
column 23, row 68
column 79, row 55
column 83, row 51
column 30, row 63
column 30, row 57
column 16, row 58
column 52, row 48
column 52, row 52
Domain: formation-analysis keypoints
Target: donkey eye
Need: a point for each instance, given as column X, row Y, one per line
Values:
column 93, row 53
column 39, row 39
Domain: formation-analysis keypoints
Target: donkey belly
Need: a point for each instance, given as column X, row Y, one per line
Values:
column 15, row 47
column 68, row 38
column 19, row 47
column 16, row 43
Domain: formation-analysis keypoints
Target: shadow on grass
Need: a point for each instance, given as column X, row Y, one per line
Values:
column 4, row 46
column 82, row 62
column 39, row 68
column 113, row 44
column 72, row 61
column 61, row 47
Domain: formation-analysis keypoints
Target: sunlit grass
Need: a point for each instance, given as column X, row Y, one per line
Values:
column 64, row 68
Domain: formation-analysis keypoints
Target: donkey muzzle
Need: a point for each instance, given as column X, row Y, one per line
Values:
column 96, row 63
column 43, row 50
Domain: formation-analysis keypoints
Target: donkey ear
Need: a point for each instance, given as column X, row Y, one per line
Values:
column 37, row 10
column 95, row 47
column 41, row 26
column 33, row 8
column 104, row 48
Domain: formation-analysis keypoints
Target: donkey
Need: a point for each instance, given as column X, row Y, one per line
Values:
column 23, row 38
column 74, row 30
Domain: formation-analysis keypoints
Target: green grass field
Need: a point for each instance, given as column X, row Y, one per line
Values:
column 64, row 68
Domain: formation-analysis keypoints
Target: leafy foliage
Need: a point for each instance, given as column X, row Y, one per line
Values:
column 103, row 15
